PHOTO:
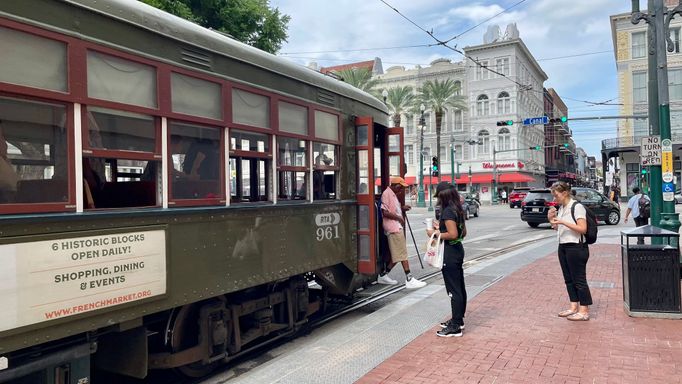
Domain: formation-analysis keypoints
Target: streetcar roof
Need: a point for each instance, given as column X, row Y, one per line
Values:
column 153, row 19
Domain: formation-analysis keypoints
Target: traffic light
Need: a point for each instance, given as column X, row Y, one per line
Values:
column 562, row 119
column 643, row 171
column 505, row 123
column 536, row 148
column 434, row 166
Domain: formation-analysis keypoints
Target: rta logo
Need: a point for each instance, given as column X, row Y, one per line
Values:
column 520, row 165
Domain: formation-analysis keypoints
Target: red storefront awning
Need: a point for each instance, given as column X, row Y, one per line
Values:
column 477, row 178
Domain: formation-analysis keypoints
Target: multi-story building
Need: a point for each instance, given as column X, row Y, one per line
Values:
column 620, row 155
column 513, row 91
column 560, row 148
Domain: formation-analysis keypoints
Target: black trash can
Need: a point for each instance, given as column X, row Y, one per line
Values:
column 651, row 272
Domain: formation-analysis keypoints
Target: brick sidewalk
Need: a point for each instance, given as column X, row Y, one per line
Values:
column 513, row 335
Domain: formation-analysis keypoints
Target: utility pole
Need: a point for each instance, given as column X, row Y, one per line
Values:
column 662, row 212
column 494, row 191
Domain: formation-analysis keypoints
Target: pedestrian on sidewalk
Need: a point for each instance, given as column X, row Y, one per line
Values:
column 640, row 207
column 571, row 224
column 393, row 221
column 452, row 229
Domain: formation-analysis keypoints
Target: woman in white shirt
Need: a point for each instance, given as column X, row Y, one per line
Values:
column 573, row 250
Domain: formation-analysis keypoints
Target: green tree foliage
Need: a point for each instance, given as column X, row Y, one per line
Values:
column 250, row 21
column 439, row 96
column 359, row 78
column 399, row 101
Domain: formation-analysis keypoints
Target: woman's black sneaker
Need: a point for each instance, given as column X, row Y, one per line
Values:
column 445, row 324
column 450, row 331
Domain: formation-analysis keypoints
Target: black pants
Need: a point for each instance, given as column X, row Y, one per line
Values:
column 453, row 275
column 640, row 221
column 573, row 259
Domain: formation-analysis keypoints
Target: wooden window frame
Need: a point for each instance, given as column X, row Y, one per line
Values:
column 222, row 172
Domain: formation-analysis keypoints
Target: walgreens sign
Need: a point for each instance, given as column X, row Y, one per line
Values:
column 518, row 165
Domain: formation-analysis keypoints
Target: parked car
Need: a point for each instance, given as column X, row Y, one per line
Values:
column 678, row 197
column 535, row 206
column 517, row 195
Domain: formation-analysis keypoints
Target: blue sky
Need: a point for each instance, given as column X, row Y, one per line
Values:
column 550, row 28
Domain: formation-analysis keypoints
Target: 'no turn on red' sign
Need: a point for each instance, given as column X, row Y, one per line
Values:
column 650, row 150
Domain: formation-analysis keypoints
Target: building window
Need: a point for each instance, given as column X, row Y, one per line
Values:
column 639, row 87
column 458, row 121
column 443, row 155
column 482, row 70
column 641, row 127
column 459, row 152
column 503, row 139
column 34, row 164
column 427, row 122
column 638, row 45
column 458, row 88
column 484, row 140
column 250, row 161
column 503, row 103
column 503, row 66
column 675, row 36
column 482, row 105
column 325, row 171
column 409, row 129
column 675, row 83
column 291, row 169
column 409, row 154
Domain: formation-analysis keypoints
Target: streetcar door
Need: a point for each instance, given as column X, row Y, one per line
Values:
column 364, row 148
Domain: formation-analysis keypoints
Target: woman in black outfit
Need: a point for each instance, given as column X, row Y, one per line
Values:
column 452, row 231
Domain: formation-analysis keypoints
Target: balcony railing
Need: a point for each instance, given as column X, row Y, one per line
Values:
column 632, row 141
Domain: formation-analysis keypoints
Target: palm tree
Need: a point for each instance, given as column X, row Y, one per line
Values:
column 399, row 100
column 439, row 96
column 359, row 78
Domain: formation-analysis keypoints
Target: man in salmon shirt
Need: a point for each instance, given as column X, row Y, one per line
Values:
column 393, row 222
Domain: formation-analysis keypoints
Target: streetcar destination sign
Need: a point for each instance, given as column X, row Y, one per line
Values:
column 536, row 120
column 650, row 150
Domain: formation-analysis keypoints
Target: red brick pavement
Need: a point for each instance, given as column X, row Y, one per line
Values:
column 513, row 335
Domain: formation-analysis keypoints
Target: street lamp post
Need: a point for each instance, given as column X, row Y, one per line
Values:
column 494, row 191
column 420, row 191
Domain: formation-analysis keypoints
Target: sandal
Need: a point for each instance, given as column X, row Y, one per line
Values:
column 567, row 313
column 578, row 317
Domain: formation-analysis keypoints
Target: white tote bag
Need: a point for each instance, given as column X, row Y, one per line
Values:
column 434, row 252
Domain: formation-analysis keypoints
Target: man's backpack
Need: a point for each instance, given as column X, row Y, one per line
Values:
column 644, row 207
column 591, row 219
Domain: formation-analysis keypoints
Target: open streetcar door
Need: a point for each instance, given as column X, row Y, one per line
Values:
column 367, row 235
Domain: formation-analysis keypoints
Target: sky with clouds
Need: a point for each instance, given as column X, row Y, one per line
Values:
column 342, row 31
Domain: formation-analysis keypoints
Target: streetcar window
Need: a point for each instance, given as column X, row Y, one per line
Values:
column 196, row 97
column 195, row 162
column 326, row 126
column 120, row 167
column 292, row 185
column 325, row 170
column 33, row 152
column 250, row 109
column 292, row 168
column 32, row 61
column 118, row 130
column 119, row 183
column 124, row 81
column 291, row 152
column 293, row 118
column 250, row 167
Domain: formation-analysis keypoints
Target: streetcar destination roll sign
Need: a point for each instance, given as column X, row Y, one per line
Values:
column 53, row 279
